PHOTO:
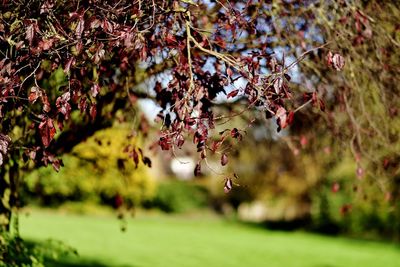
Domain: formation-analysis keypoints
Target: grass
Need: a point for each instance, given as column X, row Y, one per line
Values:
column 152, row 241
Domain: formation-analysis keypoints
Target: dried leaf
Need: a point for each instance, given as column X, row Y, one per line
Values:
column 95, row 89
column 197, row 169
column 329, row 58
column 236, row 134
column 164, row 143
column 233, row 93
column 303, row 141
column 229, row 72
column 5, row 141
column 345, row 209
column 95, row 23
column 290, row 117
column 135, row 157
column 278, row 85
column 281, row 118
column 79, row 27
column 62, row 104
column 360, row 172
column 335, row 187
column 224, row 159
column 147, row 161
column 338, row 62
column 34, row 94
column 99, row 55
column 93, row 112
column 228, row 185
column 47, row 131
column 56, row 165
column 46, row 44
column 180, row 140
column 107, row 26
column 46, row 7
column 30, row 33
column 83, row 104
column 216, row 144
column 70, row 62
column 45, row 101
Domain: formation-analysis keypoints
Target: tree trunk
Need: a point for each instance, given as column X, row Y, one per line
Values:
column 5, row 212
column 8, row 194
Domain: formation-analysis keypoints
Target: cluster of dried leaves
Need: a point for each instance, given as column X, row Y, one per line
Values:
column 99, row 44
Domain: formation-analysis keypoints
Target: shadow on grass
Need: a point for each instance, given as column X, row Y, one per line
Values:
column 330, row 231
column 80, row 262
column 57, row 254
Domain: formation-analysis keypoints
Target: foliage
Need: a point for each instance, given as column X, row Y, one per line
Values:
column 311, row 182
column 347, row 204
column 179, row 196
column 363, row 110
column 15, row 252
column 97, row 170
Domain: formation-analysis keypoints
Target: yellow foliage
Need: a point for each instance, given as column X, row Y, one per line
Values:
column 115, row 171
column 98, row 167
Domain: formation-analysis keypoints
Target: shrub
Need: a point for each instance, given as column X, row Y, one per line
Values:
column 179, row 196
column 97, row 171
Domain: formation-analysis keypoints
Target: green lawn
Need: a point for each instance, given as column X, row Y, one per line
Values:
column 152, row 241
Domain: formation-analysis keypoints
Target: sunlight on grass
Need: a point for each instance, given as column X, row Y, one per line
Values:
column 152, row 241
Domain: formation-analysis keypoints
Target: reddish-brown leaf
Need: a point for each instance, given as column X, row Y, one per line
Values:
column 180, row 140
column 5, row 141
column 95, row 89
column 216, row 144
column 335, row 187
column 236, row 134
column 30, row 33
column 224, row 159
column 278, row 85
column 45, row 101
column 107, row 26
column 360, row 172
column 46, row 44
column 329, row 58
column 290, row 117
column 34, row 94
column 135, row 157
column 164, row 143
column 233, row 93
column 83, row 104
column 303, row 141
column 62, row 104
column 228, row 185
column 338, row 62
column 70, row 62
column 147, row 161
column 229, row 72
column 197, row 169
column 99, row 55
column 281, row 117
column 79, row 27
column 95, row 23
column 346, row 208
column 93, row 112
column 47, row 131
